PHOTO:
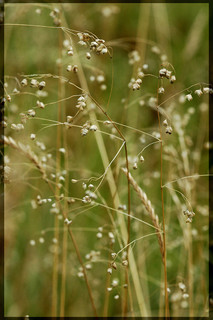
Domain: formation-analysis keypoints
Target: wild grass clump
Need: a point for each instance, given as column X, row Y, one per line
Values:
column 106, row 160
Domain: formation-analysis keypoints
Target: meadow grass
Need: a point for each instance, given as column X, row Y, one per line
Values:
column 106, row 160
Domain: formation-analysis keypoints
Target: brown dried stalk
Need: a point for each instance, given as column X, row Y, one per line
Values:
column 147, row 204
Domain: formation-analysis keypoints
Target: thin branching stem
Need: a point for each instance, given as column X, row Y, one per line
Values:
column 163, row 213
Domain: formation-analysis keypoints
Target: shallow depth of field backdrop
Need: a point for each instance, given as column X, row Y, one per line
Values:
column 80, row 238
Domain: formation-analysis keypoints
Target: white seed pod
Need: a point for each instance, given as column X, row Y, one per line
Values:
column 182, row 286
column 92, row 78
column 54, row 240
column 82, row 43
column 141, row 159
column 67, row 221
column 114, row 266
column 155, row 50
column 62, row 150
column 141, row 102
column 206, row 90
column 198, row 92
column 93, row 45
column 110, row 235
column 100, row 78
column 19, row 127
column 32, row 242
column 8, row 98
column 66, row 43
column 135, row 86
column 56, row 11
column 70, row 53
column 99, row 235
column 135, row 166
column 81, row 98
column 80, row 35
column 32, row 136
column 107, row 122
column 165, row 123
column 139, row 81
column 115, row 282
column 109, row 270
column 80, row 274
column 15, row 90
column 100, row 48
column 69, row 119
column 161, row 90
column 145, row 66
column 162, row 72
column 40, row 104
column 103, row 87
column 86, row 199
column 4, row 124
column 116, row 297
column 125, row 263
column 88, row 55
column 140, row 74
column 41, row 85
column 84, row 131
column 41, row 240
column 172, row 79
column 75, row 68
column 169, row 130
column 88, row 266
column 164, row 57
column 93, row 128
column 81, row 105
column 24, row 82
column 104, row 50
column 113, row 255
column 34, row 83
column 13, row 126
column 31, row 112
column 122, row 207
column 74, row 181
column 168, row 74
column 69, row 68
column 189, row 97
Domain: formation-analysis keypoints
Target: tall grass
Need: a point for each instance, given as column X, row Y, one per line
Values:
column 106, row 160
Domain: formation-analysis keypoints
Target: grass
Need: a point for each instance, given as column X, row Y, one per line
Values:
column 103, row 171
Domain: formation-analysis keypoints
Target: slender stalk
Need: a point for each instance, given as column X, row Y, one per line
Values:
column 58, row 167
column 65, row 233
column 163, row 213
